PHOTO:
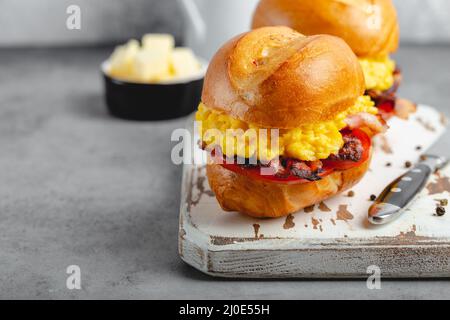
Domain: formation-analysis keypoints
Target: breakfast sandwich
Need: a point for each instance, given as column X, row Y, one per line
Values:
column 370, row 28
column 285, row 121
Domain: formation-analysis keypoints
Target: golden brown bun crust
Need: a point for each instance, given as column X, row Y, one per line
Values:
column 260, row 199
column 370, row 27
column 277, row 78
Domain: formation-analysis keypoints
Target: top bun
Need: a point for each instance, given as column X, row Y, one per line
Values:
column 370, row 27
column 275, row 77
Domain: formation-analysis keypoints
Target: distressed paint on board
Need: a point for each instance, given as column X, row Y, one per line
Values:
column 316, row 241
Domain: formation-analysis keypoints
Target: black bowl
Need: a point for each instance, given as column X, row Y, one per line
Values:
column 152, row 101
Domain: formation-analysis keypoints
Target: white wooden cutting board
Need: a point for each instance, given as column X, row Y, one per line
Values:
column 332, row 239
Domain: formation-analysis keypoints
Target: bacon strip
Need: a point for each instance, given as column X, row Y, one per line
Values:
column 364, row 119
column 389, row 95
column 404, row 108
column 351, row 151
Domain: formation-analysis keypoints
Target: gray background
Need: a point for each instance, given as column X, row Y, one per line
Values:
column 79, row 187
column 42, row 23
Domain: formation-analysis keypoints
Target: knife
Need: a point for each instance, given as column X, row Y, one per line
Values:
column 401, row 192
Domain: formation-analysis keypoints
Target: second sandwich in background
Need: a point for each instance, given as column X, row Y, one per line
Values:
column 308, row 89
column 370, row 28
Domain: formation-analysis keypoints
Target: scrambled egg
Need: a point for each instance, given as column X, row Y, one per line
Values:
column 378, row 72
column 308, row 142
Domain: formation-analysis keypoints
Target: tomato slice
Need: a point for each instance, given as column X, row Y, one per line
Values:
column 329, row 166
column 386, row 109
column 386, row 106
column 366, row 142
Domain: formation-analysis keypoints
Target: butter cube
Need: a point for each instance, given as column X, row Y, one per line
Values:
column 158, row 42
column 122, row 59
column 156, row 60
column 184, row 63
column 151, row 66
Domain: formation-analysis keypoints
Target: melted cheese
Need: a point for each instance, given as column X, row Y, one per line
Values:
column 378, row 72
column 308, row 142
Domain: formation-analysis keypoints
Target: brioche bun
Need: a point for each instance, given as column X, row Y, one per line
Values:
column 275, row 77
column 369, row 27
column 262, row 199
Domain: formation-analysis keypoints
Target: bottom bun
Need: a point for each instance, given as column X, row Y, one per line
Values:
column 261, row 199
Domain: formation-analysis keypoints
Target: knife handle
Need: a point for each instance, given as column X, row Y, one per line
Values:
column 400, row 193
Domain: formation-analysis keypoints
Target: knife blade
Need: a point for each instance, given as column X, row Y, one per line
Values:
column 402, row 192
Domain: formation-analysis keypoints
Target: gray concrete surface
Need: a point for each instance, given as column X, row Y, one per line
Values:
column 79, row 187
column 43, row 23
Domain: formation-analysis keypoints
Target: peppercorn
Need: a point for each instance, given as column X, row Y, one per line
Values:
column 351, row 193
column 440, row 211
column 408, row 164
column 388, row 164
column 418, row 148
column 373, row 197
